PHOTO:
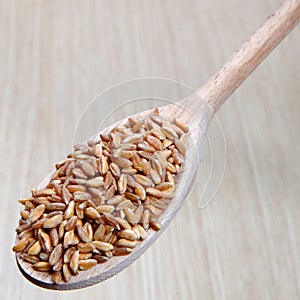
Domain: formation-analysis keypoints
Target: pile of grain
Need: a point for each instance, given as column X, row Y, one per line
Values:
column 103, row 198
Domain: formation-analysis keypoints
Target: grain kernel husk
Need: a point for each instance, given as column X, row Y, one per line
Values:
column 66, row 272
column 56, row 254
column 53, row 222
column 87, row 264
column 35, row 248
column 155, row 225
column 45, row 241
column 36, row 213
column 92, row 213
column 122, row 251
column 68, row 254
column 83, row 235
column 74, row 262
column 126, row 243
column 57, row 277
column 21, row 245
column 103, row 198
column 30, row 258
column 69, row 212
column 103, row 246
column 42, row 266
column 44, row 256
column 128, row 234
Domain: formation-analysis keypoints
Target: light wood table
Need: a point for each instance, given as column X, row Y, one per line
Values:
column 55, row 56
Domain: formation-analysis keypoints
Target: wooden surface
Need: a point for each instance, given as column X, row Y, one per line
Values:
column 55, row 56
column 245, row 60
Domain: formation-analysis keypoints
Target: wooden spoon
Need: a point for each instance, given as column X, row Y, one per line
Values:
column 214, row 92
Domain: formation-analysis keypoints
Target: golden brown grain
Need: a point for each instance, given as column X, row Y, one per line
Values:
column 68, row 237
column 83, row 235
column 71, row 223
column 146, row 219
column 126, row 243
column 53, row 222
column 66, row 272
column 122, row 251
column 57, row 277
column 92, row 213
column 53, row 234
column 87, row 264
column 58, row 266
column 103, row 198
column 68, row 254
column 128, row 234
column 35, row 248
column 154, row 192
column 44, row 256
column 99, row 233
column 105, row 209
column 36, row 213
column 45, row 241
column 74, row 262
column 181, row 125
column 85, row 247
column 155, row 225
column 69, row 212
column 122, row 184
column 21, row 245
column 56, row 254
column 30, row 258
column 42, row 266
column 103, row 246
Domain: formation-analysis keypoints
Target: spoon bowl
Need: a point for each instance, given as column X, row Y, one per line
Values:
column 184, row 185
column 214, row 92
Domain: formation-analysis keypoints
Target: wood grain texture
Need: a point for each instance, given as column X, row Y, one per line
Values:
column 55, row 56
column 242, row 63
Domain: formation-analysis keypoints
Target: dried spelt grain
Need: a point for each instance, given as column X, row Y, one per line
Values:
column 126, row 243
column 91, row 209
column 68, row 237
column 181, row 125
column 57, row 277
column 74, row 262
column 128, row 234
column 71, row 223
column 53, row 222
column 56, row 254
column 83, row 234
column 53, row 234
column 92, row 213
column 66, row 272
column 122, row 184
column 58, row 266
column 87, row 264
column 21, row 245
column 45, row 241
column 44, row 256
column 42, row 266
column 121, row 251
column 36, row 213
column 105, row 209
column 35, row 248
column 85, row 247
column 155, row 225
column 103, row 246
column 68, row 254
column 30, row 258
column 146, row 219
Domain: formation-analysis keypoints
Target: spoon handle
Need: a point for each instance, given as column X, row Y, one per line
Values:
column 225, row 81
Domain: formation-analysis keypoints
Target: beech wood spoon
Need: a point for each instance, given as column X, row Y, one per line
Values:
column 214, row 92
